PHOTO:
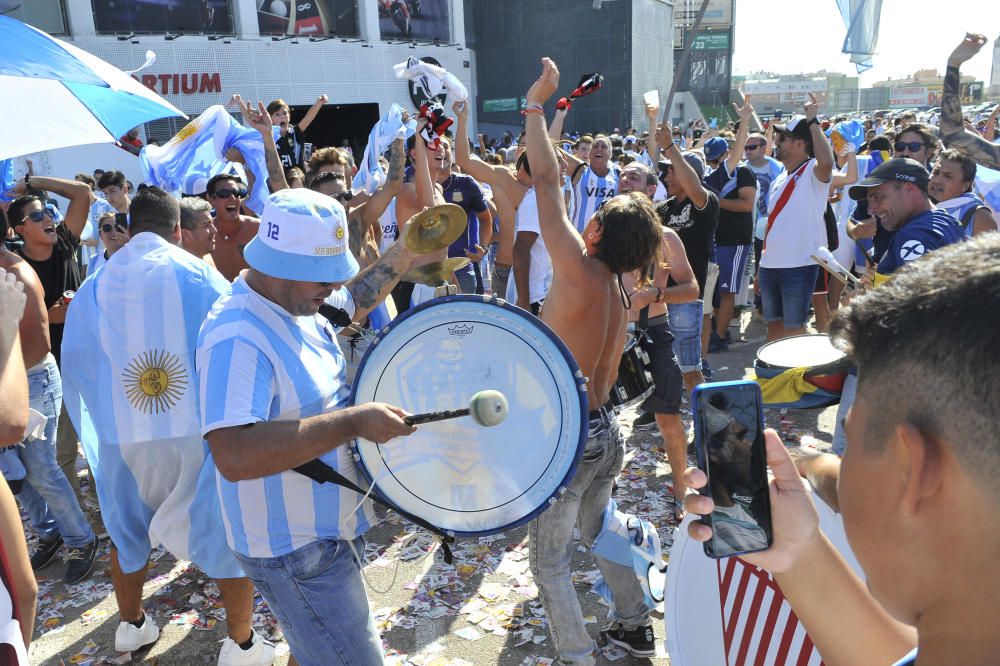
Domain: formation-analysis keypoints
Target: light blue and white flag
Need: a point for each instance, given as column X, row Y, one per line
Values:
column 129, row 387
column 861, row 18
column 6, row 179
column 988, row 187
column 371, row 175
column 187, row 162
column 632, row 542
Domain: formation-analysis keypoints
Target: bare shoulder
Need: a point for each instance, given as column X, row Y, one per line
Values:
column 248, row 227
column 19, row 267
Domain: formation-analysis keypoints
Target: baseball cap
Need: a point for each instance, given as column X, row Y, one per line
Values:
column 715, row 148
column 302, row 237
column 629, row 139
column 798, row 127
column 694, row 161
column 898, row 169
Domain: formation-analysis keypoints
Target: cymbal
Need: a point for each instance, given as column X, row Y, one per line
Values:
column 436, row 273
column 435, row 228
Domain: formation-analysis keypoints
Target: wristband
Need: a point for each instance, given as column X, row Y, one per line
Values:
column 812, row 121
column 533, row 108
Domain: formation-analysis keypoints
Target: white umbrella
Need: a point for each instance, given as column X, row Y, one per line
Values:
column 57, row 95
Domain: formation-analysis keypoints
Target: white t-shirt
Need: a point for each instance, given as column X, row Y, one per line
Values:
column 540, row 268
column 390, row 228
column 798, row 228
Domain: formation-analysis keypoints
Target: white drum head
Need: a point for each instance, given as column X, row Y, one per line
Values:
column 799, row 351
column 729, row 612
column 455, row 474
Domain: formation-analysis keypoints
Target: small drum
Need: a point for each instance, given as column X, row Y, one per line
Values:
column 635, row 381
column 730, row 612
column 827, row 367
column 461, row 477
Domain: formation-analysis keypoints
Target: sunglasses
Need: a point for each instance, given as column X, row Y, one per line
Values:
column 343, row 197
column 755, row 146
column 225, row 193
column 37, row 216
column 910, row 146
column 108, row 228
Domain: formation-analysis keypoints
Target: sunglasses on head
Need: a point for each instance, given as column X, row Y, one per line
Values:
column 225, row 193
column 107, row 228
column 38, row 215
column 910, row 146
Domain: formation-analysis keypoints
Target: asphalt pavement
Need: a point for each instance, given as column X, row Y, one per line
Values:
column 483, row 610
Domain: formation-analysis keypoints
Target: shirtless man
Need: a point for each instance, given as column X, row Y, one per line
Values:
column 585, row 308
column 509, row 188
column 226, row 194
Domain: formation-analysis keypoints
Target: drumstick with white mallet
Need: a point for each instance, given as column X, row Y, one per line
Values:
column 825, row 259
column 487, row 408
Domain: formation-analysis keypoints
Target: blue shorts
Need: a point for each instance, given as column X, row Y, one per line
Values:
column 685, row 323
column 732, row 261
column 317, row 595
column 786, row 294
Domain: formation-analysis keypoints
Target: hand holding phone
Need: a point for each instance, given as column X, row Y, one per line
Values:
column 729, row 443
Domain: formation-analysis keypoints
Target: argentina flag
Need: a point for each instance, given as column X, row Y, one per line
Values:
column 987, row 185
column 861, row 18
column 129, row 387
column 370, row 174
column 187, row 162
column 629, row 541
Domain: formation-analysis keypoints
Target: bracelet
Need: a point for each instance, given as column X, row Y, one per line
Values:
column 534, row 108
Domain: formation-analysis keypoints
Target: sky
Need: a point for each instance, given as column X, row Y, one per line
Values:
column 913, row 35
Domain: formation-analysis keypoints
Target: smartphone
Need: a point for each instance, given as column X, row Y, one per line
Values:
column 121, row 221
column 729, row 444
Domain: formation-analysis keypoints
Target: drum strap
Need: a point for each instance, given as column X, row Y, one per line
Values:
column 320, row 472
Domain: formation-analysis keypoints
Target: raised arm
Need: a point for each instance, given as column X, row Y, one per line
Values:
column 821, row 146
column 564, row 244
column 769, row 138
column 260, row 120
column 851, row 176
column 652, row 147
column 953, row 131
column 555, row 130
column 991, row 125
column 495, row 176
column 746, row 114
column 79, row 195
column 689, row 180
column 422, row 170
column 312, row 112
column 372, row 209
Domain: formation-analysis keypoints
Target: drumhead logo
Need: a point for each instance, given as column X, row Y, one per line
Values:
column 460, row 331
column 154, row 381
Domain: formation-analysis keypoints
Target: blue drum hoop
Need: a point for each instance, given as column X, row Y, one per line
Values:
column 474, row 309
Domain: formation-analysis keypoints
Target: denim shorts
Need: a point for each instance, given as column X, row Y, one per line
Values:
column 786, row 294
column 668, row 382
column 318, row 597
column 685, row 323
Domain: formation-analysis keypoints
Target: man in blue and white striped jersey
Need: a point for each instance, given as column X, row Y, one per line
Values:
column 274, row 396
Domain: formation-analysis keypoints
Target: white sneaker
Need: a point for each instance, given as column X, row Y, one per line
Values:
column 129, row 638
column 261, row 653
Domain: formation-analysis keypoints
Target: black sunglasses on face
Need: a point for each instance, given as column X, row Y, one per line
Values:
column 37, row 215
column 910, row 146
column 343, row 197
column 225, row 193
column 108, row 228
column 754, row 146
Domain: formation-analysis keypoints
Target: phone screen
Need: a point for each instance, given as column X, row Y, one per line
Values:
column 729, row 439
column 121, row 220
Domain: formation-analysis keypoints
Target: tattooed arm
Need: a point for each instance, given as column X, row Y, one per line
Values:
column 953, row 131
column 371, row 286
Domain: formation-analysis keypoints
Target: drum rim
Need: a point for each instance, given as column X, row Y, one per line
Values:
column 831, row 365
column 579, row 380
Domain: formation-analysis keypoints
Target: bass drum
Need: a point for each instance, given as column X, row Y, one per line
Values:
column 461, row 477
column 730, row 612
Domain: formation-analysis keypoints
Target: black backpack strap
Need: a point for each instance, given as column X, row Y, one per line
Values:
column 320, row 472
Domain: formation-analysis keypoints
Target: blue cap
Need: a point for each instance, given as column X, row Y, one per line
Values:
column 715, row 148
column 302, row 237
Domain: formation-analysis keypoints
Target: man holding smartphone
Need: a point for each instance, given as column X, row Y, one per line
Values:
column 917, row 486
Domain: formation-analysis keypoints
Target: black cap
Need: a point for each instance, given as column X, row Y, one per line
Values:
column 798, row 127
column 898, row 169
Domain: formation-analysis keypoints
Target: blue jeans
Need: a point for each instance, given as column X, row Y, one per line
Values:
column 685, row 323
column 317, row 595
column 47, row 496
column 786, row 294
column 550, row 547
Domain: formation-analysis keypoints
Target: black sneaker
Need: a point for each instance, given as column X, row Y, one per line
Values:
column 637, row 642
column 717, row 344
column 706, row 369
column 80, row 562
column 647, row 421
column 45, row 553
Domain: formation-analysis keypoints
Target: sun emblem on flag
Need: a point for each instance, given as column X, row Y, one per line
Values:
column 154, row 381
column 339, row 233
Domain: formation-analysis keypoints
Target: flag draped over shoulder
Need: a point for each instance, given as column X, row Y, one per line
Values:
column 129, row 386
column 370, row 174
column 861, row 18
column 187, row 162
